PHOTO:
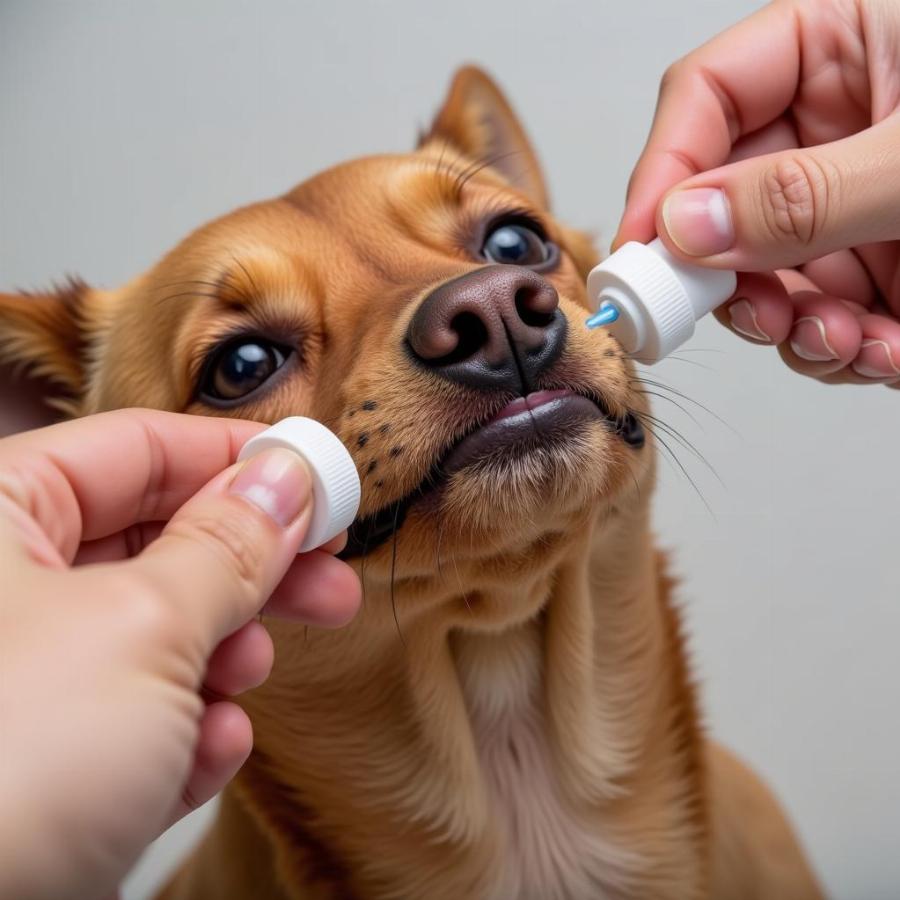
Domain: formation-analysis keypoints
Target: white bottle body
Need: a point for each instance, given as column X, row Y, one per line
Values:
column 659, row 298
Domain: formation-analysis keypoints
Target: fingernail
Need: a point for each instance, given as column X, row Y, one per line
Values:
column 277, row 481
column 698, row 220
column 809, row 341
column 743, row 321
column 875, row 360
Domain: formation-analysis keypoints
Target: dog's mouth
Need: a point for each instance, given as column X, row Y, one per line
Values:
column 539, row 418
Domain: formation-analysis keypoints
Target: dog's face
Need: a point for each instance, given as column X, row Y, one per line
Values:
column 427, row 307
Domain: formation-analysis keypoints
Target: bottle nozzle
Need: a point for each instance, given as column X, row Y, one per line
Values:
column 652, row 300
column 606, row 315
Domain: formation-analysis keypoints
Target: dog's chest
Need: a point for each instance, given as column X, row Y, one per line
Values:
column 547, row 851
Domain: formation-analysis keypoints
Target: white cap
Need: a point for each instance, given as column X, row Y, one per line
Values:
column 659, row 298
column 335, row 481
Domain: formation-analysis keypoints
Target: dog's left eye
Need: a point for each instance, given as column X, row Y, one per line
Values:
column 517, row 244
column 239, row 367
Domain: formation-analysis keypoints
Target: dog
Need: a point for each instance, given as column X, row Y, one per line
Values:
column 511, row 715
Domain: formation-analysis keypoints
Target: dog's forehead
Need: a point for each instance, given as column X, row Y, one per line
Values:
column 390, row 221
column 394, row 187
column 396, row 215
column 343, row 188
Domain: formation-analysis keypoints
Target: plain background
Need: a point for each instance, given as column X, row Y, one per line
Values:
column 124, row 125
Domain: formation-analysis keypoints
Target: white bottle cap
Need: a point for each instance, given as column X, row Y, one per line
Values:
column 659, row 298
column 335, row 481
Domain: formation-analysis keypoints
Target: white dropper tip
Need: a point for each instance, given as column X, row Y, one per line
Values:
column 651, row 301
column 335, row 481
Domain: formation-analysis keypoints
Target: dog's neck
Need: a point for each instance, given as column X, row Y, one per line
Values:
column 471, row 761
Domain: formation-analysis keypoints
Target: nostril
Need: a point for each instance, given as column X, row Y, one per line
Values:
column 497, row 327
column 471, row 335
column 466, row 332
column 535, row 307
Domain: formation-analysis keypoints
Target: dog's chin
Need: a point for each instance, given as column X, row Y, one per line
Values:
column 539, row 457
column 536, row 485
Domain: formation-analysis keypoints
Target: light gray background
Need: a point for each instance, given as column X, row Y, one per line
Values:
column 123, row 125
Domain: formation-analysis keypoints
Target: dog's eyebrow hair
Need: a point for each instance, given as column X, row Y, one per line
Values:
column 224, row 289
column 246, row 272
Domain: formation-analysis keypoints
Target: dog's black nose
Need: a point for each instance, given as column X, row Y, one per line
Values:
column 497, row 327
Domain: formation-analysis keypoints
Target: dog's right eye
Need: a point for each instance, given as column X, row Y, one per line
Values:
column 515, row 243
column 239, row 368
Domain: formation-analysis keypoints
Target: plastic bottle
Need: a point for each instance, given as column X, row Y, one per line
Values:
column 335, row 481
column 651, row 301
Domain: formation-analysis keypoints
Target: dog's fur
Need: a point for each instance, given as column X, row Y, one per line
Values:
column 511, row 714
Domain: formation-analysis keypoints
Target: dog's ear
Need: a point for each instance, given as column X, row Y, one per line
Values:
column 43, row 335
column 477, row 121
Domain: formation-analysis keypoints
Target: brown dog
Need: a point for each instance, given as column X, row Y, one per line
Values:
column 510, row 715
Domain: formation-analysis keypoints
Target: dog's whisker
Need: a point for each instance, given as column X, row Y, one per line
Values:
column 440, row 160
column 461, row 175
column 473, row 170
column 217, row 288
column 193, row 294
column 674, row 457
column 637, row 485
column 437, row 550
column 690, row 362
column 188, row 293
column 701, row 350
column 678, row 436
column 684, row 409
column 246, row 272
column 393, row 575
column 362, row 569
column 667, row 387
column 176, row 284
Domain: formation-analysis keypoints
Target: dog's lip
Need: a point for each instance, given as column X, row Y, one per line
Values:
column 542, row 409
column 540, row 416
column 529, row 402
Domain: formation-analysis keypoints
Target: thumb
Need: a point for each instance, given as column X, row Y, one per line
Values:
column 224, row 552
column 784, row 209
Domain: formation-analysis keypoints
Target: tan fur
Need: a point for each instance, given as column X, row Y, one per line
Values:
column 510, row 715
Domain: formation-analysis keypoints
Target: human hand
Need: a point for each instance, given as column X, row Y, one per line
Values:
column 134, row 558
column 775, row 150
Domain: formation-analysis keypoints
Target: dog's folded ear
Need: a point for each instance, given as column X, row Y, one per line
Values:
column 43, row 334
column 477, row 121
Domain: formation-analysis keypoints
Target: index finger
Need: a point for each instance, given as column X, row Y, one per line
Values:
column 92, row 477
column 734, row 84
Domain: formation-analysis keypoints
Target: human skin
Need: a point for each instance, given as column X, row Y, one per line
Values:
column 775, row 151
column 135, row 556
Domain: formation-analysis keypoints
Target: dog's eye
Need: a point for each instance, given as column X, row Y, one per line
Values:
column 514, row 243
column 238, row 368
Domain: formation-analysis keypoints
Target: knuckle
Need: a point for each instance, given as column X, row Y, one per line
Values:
column 150, row 613
column 671, row 76
column 232, row 540
column 154, row 627
column 797, row 198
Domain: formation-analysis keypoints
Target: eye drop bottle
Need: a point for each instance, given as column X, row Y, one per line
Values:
column 651, row 301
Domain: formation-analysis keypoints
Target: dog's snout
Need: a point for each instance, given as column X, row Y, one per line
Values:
column 497, row 327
